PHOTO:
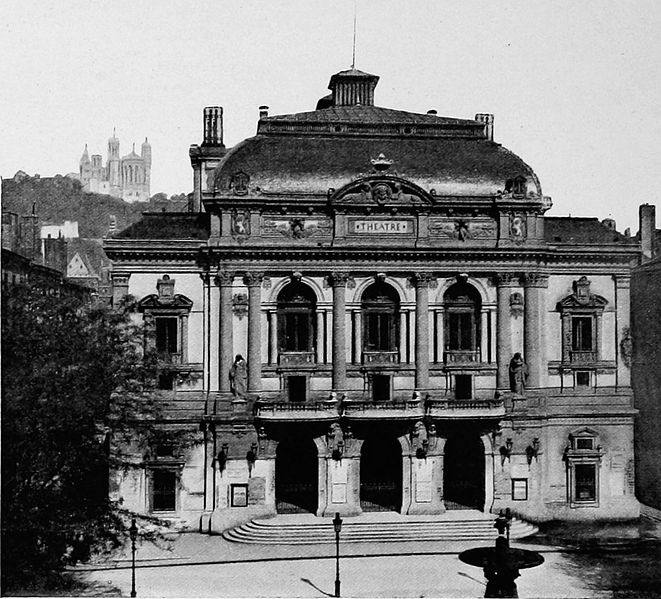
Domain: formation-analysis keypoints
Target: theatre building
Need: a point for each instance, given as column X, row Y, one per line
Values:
column 417, row 335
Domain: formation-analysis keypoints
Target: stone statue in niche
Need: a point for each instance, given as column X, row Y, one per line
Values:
column 516, row 304
column 518, row 227
column 239, row 377
column 518, row 371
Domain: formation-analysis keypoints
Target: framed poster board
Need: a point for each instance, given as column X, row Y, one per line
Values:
column 239, row 495
column 519, row 489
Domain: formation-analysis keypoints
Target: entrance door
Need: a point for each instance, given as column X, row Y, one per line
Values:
column 296, row 476
column 381, row 475
column 463, row 472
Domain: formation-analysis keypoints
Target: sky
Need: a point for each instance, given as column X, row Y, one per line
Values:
column 574, row 86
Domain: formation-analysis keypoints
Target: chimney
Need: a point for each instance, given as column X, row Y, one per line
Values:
column 263, row 112
column 55, row 254
column 487, row 120
column 647, row 218
column 213, row 126
column 29, row 233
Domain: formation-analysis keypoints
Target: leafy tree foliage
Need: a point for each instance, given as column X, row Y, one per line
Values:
column 74, row 375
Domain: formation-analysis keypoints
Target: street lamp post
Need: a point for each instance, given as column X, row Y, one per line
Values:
column 133, row 534
column 337, row 525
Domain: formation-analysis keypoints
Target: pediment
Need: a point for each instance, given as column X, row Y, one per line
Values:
column 575, row 302
column 154, row 302
column 381, row 190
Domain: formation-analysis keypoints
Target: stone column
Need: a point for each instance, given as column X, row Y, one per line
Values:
column 120, row 287
column 484, row 336
column 422, row 281
column 533, row 328
column 440, row 340
column 253, row 281
column 403, row 336
column 321, row 338
column 357, row 336
column 226, row 330
column 273, row 337
column 505, row 282
column 339, row 282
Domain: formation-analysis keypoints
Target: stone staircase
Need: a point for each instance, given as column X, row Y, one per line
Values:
column 306, row 529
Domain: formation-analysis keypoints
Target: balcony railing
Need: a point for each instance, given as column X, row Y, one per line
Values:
column 169, row 358
column 582, row 356
column 408, row 408
column 290, row 410
column 461, row 356
column 295, row 359
column 375, row 358
column 461, row 408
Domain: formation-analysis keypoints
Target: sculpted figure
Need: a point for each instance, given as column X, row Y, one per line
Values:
column 518, row 374
column 239, row 376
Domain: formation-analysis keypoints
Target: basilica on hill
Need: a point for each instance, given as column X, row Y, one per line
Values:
column 127, row 177
column 368, row 309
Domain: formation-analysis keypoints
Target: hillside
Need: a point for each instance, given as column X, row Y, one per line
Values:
column 61, row 198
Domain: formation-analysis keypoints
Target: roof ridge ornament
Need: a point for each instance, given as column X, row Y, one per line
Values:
column 381, row 163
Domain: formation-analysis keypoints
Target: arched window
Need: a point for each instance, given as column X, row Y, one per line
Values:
column 296, row 308
column 462, row 322
column 380, row 306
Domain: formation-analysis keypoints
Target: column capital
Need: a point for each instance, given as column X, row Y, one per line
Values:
column 121, row 279
column 535, row 279
column 507, row 279
column 424, row 279
column 339, row 279
column 253, row 279
column 622, row 281
column 224, row 278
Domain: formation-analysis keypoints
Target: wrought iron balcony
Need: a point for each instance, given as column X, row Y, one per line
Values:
column 290, row 410
column 296, row 359
column 379, row 358
column 463, row 408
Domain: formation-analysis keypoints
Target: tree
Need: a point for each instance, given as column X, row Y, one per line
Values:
column 74, row 375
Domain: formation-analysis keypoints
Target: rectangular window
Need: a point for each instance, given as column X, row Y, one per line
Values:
column 460, row 331
column 379, row 326
column 584, row 443
column 519, row 489
column 164, row 491
column 381, row 387
column 166, row 334
column 297, row 388
column 166, row 381
column 582, row 379
column 585, row 482
column 581, row 333
column 463, row 386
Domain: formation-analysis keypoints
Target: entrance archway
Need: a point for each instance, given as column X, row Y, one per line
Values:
column 463, row 472
column 381, row 475
column 296, row 476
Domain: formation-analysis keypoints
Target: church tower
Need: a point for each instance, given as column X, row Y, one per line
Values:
column 85, row 166
column 114, row 175
column 146, row 157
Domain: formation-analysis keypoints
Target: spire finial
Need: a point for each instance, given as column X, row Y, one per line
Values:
column 353, row 57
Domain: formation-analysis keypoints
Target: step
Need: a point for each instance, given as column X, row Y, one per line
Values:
column 305, row 529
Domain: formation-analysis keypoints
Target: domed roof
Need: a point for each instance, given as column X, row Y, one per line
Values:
column 311, row 152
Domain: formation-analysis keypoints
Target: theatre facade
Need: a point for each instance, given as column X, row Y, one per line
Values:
column 369, row 310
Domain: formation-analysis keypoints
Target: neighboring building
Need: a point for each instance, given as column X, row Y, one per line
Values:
column 419, row 336
column 28, row 260
column 127, row 178
column 646, row 369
